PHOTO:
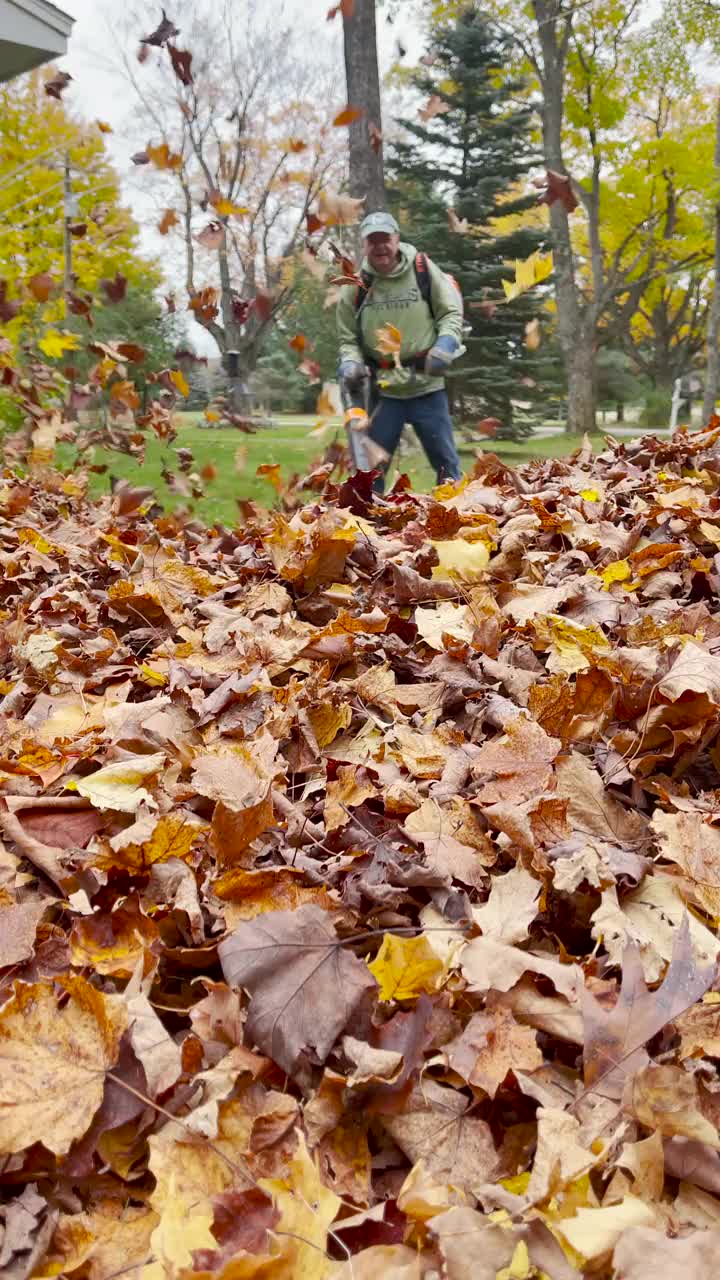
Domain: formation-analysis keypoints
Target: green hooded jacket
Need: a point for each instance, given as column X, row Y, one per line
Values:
column 396, row 299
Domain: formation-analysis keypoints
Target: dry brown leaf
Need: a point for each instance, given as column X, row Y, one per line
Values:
column 511, row 907
column 434, row 1127
column 54, row 1058
column 435, row 106
column 491, row 1045
column 615, row 1038
column 519, row 763
column 489, row 965
column 18, row 926
column 643, row 1253
column 304, row 985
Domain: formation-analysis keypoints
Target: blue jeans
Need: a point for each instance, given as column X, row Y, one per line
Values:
column 430, row 417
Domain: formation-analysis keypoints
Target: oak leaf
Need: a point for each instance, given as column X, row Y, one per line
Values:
column 615, row 1039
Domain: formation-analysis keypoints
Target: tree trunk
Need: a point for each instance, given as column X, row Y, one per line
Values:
column 363, row 90
column 578, row 350
column 581, row 386
column 712, row 371
column 620, row 411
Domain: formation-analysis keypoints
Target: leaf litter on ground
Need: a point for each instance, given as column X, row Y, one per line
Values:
column 360, row 876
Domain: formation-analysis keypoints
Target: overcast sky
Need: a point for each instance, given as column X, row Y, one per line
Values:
column 99, row 92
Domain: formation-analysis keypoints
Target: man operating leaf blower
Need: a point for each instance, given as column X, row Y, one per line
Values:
column 382, row 391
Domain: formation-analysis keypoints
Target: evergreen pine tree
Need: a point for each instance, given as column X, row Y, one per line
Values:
column 473, row 157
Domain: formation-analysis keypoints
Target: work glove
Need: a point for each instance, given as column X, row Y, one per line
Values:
column 440, row 357
column 352, row 373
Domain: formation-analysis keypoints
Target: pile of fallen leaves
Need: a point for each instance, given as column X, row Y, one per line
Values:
column 360, row 884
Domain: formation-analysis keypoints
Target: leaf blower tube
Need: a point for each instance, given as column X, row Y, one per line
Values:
column 354, row 383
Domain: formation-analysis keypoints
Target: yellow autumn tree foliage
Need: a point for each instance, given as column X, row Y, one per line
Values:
column 37, row 134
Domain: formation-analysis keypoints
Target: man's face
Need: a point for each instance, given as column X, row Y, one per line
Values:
column 381, row 251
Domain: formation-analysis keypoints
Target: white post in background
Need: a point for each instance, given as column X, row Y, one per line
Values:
column 675, row 407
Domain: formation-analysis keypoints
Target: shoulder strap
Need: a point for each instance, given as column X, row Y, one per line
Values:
column 361, row 294
column 424, row 283
column 363, row 289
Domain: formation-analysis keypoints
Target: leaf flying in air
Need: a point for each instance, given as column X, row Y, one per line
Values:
column 166, row 30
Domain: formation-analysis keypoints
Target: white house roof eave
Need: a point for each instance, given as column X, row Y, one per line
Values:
column 31, row 32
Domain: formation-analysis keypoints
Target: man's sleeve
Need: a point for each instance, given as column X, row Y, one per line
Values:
column 446, row 304
column 347, row 326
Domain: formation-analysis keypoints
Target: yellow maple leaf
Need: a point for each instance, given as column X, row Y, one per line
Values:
column 226, row 209
column 406, row 967
column 531, row 271
column 150, row 676
column 162, row 157
column 35, row 540
column 180, row 381
column 182, row 1228
column 117, row 786
column 388, row 339
column 54, row 1057
column 594, row 1232
column 590, row 495
column 270, row 471
column 307, row 1208
column 616, row 571
column 174, row 836
column 573, row 647
column 460, row 560
column 327, row 720
column 327, row 406
column 56, row 342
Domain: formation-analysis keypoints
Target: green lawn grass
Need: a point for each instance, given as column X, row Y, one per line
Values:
column 287, row 443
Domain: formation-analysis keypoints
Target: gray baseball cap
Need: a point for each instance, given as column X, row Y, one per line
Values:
column 378, row 222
